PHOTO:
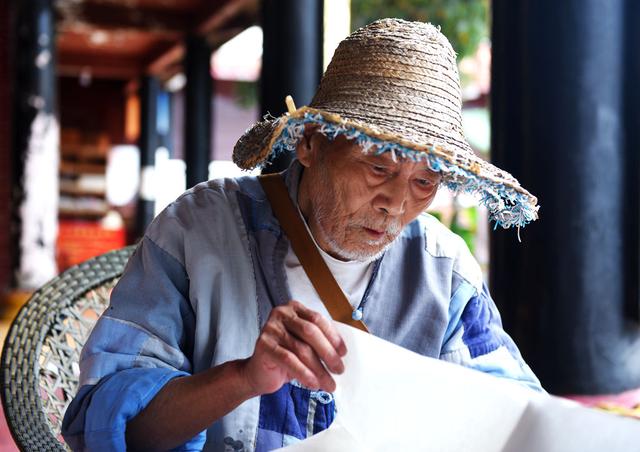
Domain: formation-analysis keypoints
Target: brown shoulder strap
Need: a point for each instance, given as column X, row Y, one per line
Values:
column 314, row 266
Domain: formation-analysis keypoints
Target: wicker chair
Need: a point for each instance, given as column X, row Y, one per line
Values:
column 40, row 357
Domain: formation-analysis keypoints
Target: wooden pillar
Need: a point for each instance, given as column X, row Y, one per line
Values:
column 565, row 122
column 36, row 138
column 198, row 100
column 292, row 57
column 148, row 143
column 6, row 164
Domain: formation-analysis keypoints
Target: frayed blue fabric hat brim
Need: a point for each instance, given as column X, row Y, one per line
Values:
column 507, row 207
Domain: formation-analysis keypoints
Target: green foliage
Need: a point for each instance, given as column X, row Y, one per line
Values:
column 464, row 22
column 246, row 94
column 465, row 224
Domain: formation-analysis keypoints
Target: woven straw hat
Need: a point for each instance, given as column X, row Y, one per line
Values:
column 393, row 86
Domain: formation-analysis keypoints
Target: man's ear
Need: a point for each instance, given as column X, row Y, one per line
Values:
column 305, row 147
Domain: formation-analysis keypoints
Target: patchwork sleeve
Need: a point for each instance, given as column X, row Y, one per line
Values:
column 139, row 344
column 475, row 338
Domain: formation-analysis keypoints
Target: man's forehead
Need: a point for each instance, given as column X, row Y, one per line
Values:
column 350, row 148
column 391, row 157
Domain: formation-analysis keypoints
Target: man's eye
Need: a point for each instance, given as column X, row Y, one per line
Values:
column 425, row 182
column 379, row 170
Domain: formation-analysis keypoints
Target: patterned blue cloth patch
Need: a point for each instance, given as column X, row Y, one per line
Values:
column 483, row 331
column 292, row 411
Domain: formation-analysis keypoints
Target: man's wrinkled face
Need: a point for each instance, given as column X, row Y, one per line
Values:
column 356, row 204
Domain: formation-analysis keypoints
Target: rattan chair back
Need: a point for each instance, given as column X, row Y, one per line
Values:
column 40, row 357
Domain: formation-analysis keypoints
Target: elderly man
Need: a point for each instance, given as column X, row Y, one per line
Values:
column 218, row 335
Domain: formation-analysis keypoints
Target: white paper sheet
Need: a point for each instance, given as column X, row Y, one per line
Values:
column 389, row 398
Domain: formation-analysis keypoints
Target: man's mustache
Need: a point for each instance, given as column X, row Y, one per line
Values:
column 391, row 227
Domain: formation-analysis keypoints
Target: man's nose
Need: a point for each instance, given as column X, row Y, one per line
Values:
column 392, row 198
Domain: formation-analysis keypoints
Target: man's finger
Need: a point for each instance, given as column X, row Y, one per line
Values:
column 325, row 325
column 311, row 334
column 290, row 363
column 310, row 359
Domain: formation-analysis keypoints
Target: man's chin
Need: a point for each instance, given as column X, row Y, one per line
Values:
column 359, row 248
column 368, row 253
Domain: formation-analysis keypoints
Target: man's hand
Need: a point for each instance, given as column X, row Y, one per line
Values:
column 295, row 343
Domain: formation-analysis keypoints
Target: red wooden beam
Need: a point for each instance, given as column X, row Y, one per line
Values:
column 109, row 16
column 100, row 66
column 213, row 26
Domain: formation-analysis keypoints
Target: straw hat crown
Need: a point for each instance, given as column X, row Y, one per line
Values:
column 399, row 77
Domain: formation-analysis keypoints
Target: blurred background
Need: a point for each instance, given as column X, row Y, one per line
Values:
column 110, row 109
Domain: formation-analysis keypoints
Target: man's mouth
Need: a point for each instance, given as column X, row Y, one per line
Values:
column 373, row 233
